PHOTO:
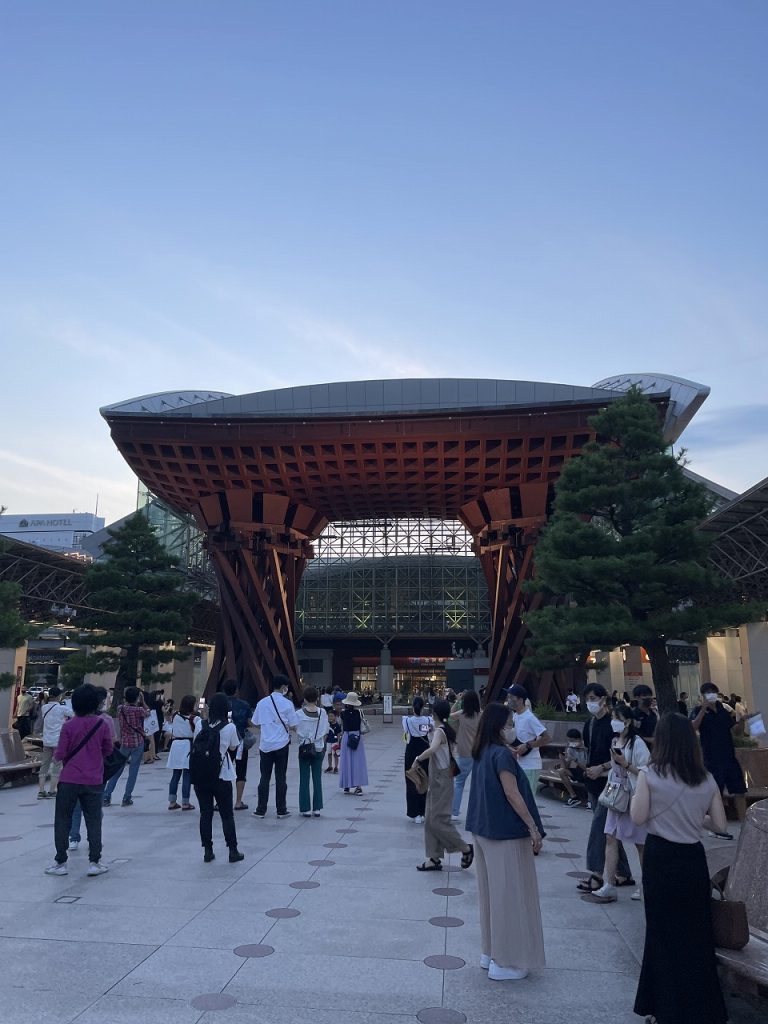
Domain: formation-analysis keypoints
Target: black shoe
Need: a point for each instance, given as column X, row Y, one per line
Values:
column 259, row 814
column 209, row 855
column 283, row 814
column 235, row 855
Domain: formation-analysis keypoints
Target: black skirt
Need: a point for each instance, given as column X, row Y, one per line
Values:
column 678, row 980
column 415, row 803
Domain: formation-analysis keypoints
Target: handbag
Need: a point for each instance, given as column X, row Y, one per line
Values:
column 729, row 919
column 452, row 763
column 418, row 777
column 307, row 748
column 364, row 726
column 114, row 763
column 353, row 740
column 615, row 797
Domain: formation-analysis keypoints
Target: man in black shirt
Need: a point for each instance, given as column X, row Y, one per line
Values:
column 714, row 724
column 644, row 715
column 598, row 736
column 241, row 716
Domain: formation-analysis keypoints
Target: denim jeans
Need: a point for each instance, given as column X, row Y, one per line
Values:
column 465, row 764
column 596, row 843
column 77, row 819
column 183, row 774
column 69, row 795
column 134, row 755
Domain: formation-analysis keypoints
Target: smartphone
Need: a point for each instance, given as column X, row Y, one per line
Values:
column 229, row 716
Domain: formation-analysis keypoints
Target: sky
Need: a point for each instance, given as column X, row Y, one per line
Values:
column 247, row 195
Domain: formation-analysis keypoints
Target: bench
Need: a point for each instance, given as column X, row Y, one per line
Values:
column 549, row 778
column 22, row 771
column 744, row 972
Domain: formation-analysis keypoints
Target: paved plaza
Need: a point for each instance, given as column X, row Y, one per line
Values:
column 325, row 921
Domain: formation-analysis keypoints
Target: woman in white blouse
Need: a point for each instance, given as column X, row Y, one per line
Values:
column 311, row 729
column 182, row 732
column 221, row 791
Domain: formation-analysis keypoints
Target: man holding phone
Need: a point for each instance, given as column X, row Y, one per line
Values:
column 714, row 724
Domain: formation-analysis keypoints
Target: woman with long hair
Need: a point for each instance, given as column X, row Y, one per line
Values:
column 354, row 766
column 507, row 831
column 416, row 729
column 629, row 754
column 675, row 798
column 182, row 731
column 465, row 717
column 440, row 835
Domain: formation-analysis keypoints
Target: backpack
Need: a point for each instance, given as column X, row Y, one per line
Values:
column 241, row 715
column 205, row 758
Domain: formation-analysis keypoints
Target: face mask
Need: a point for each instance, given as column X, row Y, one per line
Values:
column 593, row 706
column 617, row 726
column 711, row 697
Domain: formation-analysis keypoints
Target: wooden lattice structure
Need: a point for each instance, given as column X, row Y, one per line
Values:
column 262, row 474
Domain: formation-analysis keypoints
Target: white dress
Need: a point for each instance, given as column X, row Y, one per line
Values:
column 182, row 733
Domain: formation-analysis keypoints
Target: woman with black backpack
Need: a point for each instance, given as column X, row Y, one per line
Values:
column 212, row 771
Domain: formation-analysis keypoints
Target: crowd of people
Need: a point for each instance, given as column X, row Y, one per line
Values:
column 653, row 782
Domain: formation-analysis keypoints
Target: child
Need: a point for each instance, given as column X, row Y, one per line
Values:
column 333, row 739
column 573, row 764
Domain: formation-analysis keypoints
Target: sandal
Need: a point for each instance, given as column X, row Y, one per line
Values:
column 590, row 884
column 468, row 856
column 359, row 791
column 430, row 865
column 187, row 807
column 241, row 807
column 174, row 807
column 625, row 881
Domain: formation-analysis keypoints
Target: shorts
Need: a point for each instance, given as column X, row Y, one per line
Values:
column 241, row 766
column 577, row 774
column 728, row 775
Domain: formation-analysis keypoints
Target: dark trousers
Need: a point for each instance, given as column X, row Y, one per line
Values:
column 415, row 803
column 222, row 794
column 279, row 760
column 68, row 796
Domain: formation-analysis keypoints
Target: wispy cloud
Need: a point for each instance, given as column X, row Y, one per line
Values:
column 728, row 427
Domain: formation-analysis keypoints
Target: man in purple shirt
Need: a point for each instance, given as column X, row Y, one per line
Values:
column 84, row 742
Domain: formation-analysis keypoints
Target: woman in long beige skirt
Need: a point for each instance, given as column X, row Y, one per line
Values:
column 440, row 835
column 507, row 831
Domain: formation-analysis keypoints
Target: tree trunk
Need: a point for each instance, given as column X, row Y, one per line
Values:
column 126, row 674
column 663, row 680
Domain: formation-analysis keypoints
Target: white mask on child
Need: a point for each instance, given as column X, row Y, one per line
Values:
column 711, row 697
column 617, row 726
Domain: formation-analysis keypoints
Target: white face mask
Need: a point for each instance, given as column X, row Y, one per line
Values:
column 617, row 726
column 593, row 706
column 711, row 697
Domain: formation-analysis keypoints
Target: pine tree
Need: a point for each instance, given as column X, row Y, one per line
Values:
column 139, row 590
column 624, row 549
column 14, row 631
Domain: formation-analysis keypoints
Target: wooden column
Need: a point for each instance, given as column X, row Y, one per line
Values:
column 505, row 524
column 259, row 545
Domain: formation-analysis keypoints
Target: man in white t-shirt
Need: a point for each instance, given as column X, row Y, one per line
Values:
column 54, row 715
column 531, row 734
column 275, row 716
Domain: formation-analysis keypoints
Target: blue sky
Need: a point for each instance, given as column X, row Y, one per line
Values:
column 243, row 195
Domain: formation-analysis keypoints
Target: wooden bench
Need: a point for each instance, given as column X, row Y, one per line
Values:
column 22, row 771
column 549, row 778
column 744, row 972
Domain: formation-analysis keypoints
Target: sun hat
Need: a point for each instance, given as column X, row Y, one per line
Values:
column 352, row 699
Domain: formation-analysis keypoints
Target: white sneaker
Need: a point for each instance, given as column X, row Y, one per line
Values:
column 96, row 869
column 315, row 814
column 606, row 892
column 637, row 894
column 485, row 961
column 496, row 973
column 455, row 817
column 419, row 820
column 74, row 844
column 306, row 814
column 57, row 869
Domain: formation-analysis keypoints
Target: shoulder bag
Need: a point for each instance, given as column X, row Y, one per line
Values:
column 729, row 918
column 364, row 726
column 307, row 748
column 452, row 763
column 418, row 777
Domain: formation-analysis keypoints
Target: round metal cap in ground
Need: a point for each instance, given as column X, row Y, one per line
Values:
column 569, row 856
column 9, row 839
column 282, row 912
column 446, row 922
column 440, row 1015
column 304, row 885
column 556, row 839
column 213, row 1001
column 322, row 863
column 578, row 874
column 335, row 846
column 444, row 963
column 446, row 891
column 255, row 950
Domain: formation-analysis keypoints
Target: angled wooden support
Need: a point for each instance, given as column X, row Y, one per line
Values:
column 259, row 545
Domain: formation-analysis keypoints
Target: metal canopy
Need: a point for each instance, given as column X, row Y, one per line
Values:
column 740, row 547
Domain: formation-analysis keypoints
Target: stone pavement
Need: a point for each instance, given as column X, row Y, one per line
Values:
column 326, row 920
